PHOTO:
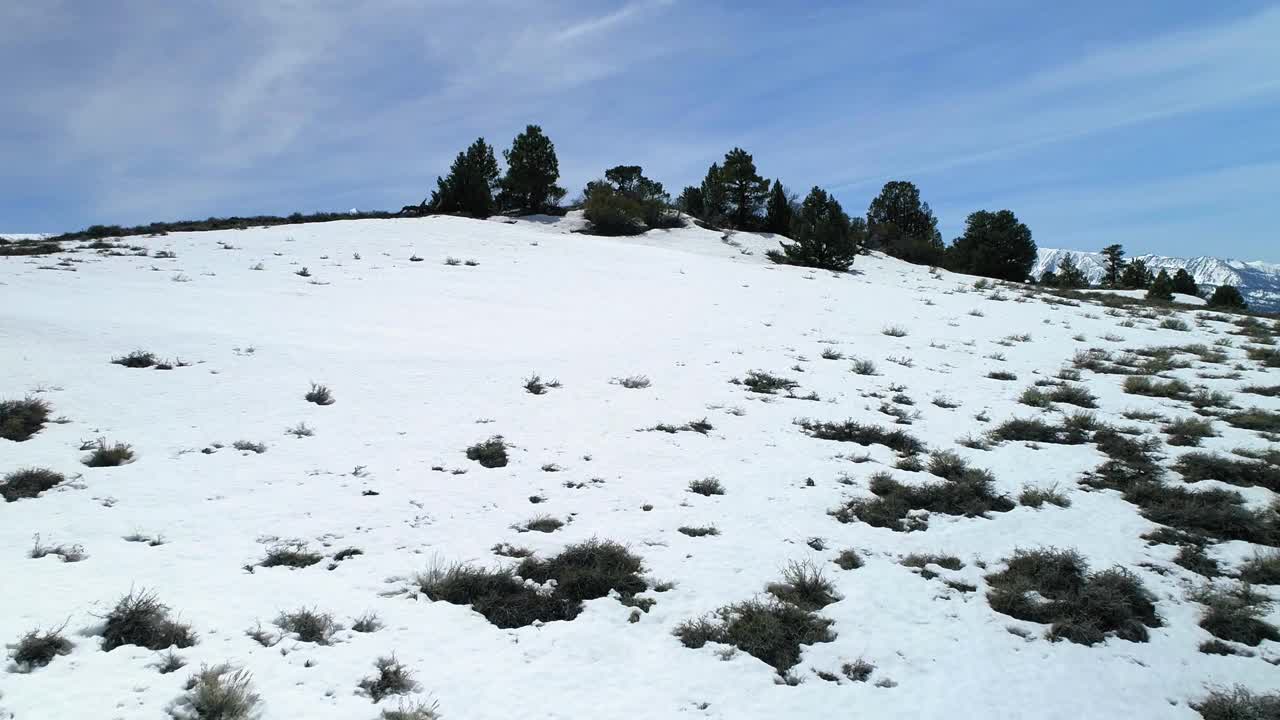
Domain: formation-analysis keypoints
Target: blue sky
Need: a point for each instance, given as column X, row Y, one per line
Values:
column 1152, row 124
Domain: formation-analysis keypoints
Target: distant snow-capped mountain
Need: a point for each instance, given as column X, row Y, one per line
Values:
column 1259, row 282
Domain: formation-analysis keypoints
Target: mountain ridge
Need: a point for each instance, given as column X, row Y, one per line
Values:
column 1258, row 281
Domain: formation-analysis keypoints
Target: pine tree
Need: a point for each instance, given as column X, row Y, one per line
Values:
column 626, row 202
column 994, row 245
column 823, row 235
column 744, row 189
column 468, row 188
column 1184, row 284
column 1136, row 276
column 1115, row 264
column 1228, row 297
column 532, row 170
column 690, row 201
column 777, row 216
column 1069, row 276
column 715, row 201
column 1161, row 288
column 903, row 226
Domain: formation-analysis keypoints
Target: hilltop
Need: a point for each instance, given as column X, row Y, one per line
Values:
column 537, row 473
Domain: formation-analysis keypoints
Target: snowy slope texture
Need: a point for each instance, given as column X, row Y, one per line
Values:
column 1258, row 281
column 247, row 494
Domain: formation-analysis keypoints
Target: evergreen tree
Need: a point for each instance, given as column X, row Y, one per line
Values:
column 1184, row 284
column 823, row 235
column 468, row 188
column 1228, row 297
column 1136, row 276
column 994, row 245
column 626, row 202
column 1115, row 264
column 1049, row 278
column 715, row 201
column 903, row 226
column 690, row 201
column 532, row 170
column 744, row 189
column 1069, row 275
column 777, row 216
column 1161, row 288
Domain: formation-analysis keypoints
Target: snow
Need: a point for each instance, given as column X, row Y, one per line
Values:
column 1177, row 297
column 425, row 359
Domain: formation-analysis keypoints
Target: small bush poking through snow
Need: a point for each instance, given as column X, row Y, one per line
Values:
column 300, row 430
column 139, row 618
column 863, row 367
column 491, row 453
column 849, row 560
column 320, row 395
column 20, row 419
column 293, row 554
column 1238, row 704
column 1195, row 559
column 367, row 623
column 393, row 678
column 698, row 531
column 707, row 486
column 309, row 625
column 1001, row 375
column 921, row 561
column 66, row 553
column 1054, row 587
column 1262, row 569
column 1236, row 614
column 854, row 432
column 37, row 649
column 136, row 359
column 585, row 571
column 858, row 671
column 971, row 495
column 771, row 631
column 535, row 386
column 247, row 446
column 218, row 693
column 762, row 382
column 1188, row 431
column 1197, row 466
column 1152, row 387
column 104, row 455
column 632, row 382
column 543, row 524
column 416, row 711
column 804, row 586
column 894, row 331
column 1038, row 496
column 1255, row 419
column 28, row 483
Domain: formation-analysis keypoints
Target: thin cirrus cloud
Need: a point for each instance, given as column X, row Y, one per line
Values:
column 1097, row 121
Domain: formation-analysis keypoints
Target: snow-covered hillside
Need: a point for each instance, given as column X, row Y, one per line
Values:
column 427, row 332
column 1258, row 281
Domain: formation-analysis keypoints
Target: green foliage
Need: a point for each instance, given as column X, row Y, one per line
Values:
column 744, row 190
column 1115, row 264
column 994, row 245
column 1068, row 275
column 777, row 214
column 1228, row 297
column 1136, row 276
column 1184, row 284
column 627, row 203
column 20, row 419
column 690, row 201
column 715, row 199
column 770, row 631
column 903, row 226
column 532, row 170
column 823, row 235
column 468, row 188
column 1161, row 287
